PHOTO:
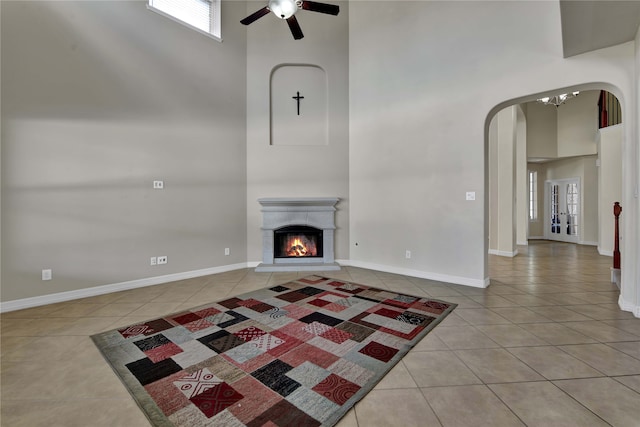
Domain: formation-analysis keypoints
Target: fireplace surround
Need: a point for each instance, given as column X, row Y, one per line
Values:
column 311, row 218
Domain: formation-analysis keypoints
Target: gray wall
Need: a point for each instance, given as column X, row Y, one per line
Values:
column 98, row 100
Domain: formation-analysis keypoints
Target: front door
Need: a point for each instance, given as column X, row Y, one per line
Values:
column 562, row 206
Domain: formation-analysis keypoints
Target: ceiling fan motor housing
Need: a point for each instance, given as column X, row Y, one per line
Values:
column 284, row 9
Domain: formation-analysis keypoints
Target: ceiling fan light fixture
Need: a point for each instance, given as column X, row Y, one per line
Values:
column 286, row 10
column 283, row 9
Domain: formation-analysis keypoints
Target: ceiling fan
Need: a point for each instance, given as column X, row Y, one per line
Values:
column 286, row 9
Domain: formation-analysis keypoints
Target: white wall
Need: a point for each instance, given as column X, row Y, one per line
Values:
column 522, row 179
column 578, row 125
column 609, row 184
column 99, row 99
column 542, row 131
column 412, row 160
column 502, row 182
column 289, row 170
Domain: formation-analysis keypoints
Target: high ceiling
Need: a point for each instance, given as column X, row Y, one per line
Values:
column 590, row 25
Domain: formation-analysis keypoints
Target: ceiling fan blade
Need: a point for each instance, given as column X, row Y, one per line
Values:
column 314, row 6
column 255, row 16
column 295, row 27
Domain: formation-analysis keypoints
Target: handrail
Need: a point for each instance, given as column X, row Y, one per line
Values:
column 609, row 111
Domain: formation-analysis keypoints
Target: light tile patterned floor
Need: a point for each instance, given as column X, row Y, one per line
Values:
column 544, row 345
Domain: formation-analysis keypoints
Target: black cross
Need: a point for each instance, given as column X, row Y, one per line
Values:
column 298, row 98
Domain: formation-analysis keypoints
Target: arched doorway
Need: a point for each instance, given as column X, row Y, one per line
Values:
column 553, row 172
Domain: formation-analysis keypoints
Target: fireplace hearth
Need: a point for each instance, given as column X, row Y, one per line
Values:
column 298, row 234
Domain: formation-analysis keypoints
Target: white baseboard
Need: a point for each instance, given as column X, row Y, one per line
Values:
column 604, row 253
column 627, row 306
column 476, row 283
column 525, row 243
column 536, row 237
column 503, row 253
column 587, row 243
column 116, row 287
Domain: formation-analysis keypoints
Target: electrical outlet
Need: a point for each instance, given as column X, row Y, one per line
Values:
column 163, row 259
column 154, row 261
column 471, row 195
column 158, row 185
column 46, row 274
column 227, row 251
column 408, row 254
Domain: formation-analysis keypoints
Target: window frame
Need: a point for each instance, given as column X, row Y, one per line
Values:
column 214, row 32
column 533, row 196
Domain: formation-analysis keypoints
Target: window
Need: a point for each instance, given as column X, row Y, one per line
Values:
column 200, row 15
column 533, row 196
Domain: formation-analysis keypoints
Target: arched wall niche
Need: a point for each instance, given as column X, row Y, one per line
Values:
column 298, row 100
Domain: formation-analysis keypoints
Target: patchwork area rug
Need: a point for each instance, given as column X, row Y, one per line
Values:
column 299, row 354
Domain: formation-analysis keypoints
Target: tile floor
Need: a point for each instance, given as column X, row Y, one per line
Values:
column 544, row 345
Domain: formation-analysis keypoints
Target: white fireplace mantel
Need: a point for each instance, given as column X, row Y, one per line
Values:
column 318, row 212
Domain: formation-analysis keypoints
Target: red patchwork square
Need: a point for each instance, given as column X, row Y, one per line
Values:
column 185, row 318
column 262, row 307
column 162, row 352
column 231, row 303
column 336, row 389
column 296, row 312
column 338, row 336
column 249, row 302
column 319, row 302
column 262, row 398
column 335, row 307
column 379, row 351
column 308, row 352
column 248, row 334
column 216, row 399
column 146, row 329
column 168, row 398
column 289, row 343
column 297, row 330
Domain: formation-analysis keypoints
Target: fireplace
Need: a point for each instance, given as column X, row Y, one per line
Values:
column 298, row 234
column 297, row 241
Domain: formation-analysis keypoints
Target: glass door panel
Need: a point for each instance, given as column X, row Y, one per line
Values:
column 563, row 210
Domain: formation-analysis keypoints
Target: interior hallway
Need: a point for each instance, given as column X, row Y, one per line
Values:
column 545, row 344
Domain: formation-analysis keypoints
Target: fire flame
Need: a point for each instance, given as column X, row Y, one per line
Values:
column 297, row 248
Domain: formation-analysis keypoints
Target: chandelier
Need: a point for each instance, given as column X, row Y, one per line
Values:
column 558, row 100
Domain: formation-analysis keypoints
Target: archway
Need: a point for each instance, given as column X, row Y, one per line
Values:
column 560, row 142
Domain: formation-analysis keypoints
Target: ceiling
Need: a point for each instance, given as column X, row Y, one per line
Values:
column 594, row 24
